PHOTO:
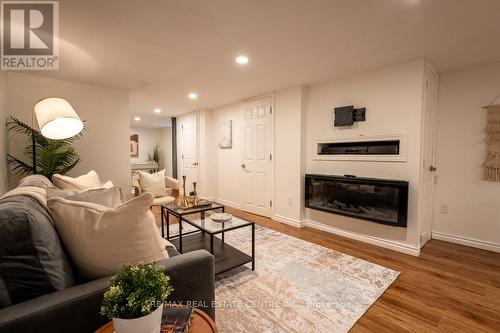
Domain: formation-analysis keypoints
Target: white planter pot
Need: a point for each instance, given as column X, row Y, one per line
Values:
column 147, row 324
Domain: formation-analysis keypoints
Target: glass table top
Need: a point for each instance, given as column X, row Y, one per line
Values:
column 210, row 226
column 175, row 208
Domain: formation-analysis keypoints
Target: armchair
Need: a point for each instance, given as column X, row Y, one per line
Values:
column 171, row 185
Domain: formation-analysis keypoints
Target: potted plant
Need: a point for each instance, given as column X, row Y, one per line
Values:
column 52, row 156
column 155, row 155
column 135, row 299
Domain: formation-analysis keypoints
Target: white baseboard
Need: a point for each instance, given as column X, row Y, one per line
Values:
column 466, row 241
column 414, row 251
column 225, row 202
column 289, row 221
column 344, row 233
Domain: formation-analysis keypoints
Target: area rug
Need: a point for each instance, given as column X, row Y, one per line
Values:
column 297, row 286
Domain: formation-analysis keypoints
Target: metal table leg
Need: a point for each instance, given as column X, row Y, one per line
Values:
column 180, row 235
column 212, row 244
column 162, row 227
column 168, row 225
column 253, row 247
column 222, row 233
column 223, row 210
column 202, row 216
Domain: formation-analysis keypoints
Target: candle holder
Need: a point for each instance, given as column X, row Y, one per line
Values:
column 184, row 201
column 195, row 196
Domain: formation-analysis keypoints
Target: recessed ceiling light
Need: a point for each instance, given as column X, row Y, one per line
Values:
column 193, row 95
column 157, row 110
column 241, row 60
column 137, row 118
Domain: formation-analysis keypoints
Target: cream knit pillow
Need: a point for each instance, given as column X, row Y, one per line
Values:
column 85, row 182
column 153, row 183
column 101, row 240
column 109, row 197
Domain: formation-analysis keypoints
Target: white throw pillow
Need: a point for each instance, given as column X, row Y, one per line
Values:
column 109, row 197
column 101, row 240
column 85, row 182
column 108, row 184
column 153, row 183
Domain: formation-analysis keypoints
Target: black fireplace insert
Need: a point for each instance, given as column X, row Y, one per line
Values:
column 378, row 200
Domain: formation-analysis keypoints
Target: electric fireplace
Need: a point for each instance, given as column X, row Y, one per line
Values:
column 378, row 200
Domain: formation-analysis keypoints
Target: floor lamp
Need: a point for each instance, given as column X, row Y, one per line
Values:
column 56, row 119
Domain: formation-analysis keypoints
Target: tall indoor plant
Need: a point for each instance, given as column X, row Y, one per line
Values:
column 135, row 299
column 52, row 156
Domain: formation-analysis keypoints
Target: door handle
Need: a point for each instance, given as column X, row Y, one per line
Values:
column 195, row 163
column 243, row 166
column 432, row 168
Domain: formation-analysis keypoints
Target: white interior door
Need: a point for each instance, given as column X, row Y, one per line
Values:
column 257, row 165
column 188, row 150
column 428, row 172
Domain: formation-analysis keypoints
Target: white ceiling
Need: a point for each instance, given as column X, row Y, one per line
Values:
column 150, row 120
column 162, row 50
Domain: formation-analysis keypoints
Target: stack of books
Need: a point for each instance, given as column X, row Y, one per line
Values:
column 176, row 319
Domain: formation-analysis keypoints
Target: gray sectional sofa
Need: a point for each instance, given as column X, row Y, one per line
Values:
column 40, row 291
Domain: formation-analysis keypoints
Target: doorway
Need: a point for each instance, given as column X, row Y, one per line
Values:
column 257, row 157
column 188, row 149
column 428, row 164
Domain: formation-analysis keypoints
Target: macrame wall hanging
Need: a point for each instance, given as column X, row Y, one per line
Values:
column 492, row 163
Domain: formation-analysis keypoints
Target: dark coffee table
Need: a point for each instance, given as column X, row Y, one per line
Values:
column 226, row 256
column 173, row 209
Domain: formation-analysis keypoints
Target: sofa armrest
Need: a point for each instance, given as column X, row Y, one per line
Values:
column 192, row 275
column 77, row 309
column 74, row 309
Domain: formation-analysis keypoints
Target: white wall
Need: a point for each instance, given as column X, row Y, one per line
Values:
column 393, row 100
column 224, row 164
column 289, row 156
column 165, row 138
column 207, row 164
column 473, row 204
column 3, row 134
column 105, row 146
column 148, row 139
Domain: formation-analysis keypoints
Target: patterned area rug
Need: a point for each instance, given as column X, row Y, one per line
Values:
column 297, row 286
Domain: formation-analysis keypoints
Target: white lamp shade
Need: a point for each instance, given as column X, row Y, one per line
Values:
column 57, row 119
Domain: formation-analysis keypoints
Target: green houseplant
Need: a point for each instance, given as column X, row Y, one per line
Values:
column 155, row 155
column 52, row 156
column 134, row 300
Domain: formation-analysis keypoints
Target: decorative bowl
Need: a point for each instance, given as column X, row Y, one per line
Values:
column 221, row 217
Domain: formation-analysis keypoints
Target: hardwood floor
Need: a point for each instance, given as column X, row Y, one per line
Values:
column 449, row 288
